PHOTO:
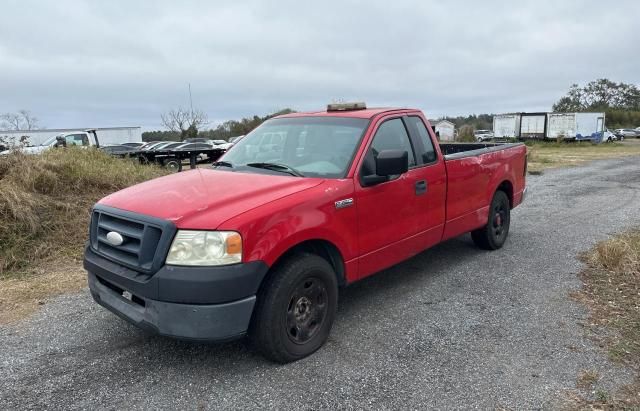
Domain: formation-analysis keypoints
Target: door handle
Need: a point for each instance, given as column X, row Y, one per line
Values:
column 421, row 187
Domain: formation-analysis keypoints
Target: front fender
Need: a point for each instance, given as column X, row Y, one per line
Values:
column 272, row 229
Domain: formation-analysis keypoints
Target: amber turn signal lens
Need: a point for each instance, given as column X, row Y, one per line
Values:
column 234, row 244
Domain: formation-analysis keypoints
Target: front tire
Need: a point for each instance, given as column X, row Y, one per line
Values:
column 295, row 309
column 494, row 234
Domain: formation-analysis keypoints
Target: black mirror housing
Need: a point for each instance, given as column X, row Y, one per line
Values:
column 392, row 162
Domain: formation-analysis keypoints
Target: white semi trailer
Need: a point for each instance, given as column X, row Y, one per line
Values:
column 506, row 125
column 533, row 125
column 576, row 126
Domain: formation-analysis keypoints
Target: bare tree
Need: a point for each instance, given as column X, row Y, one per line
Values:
column 22, row 120
column 184, row 121
column 10, row 121
column 29, row 121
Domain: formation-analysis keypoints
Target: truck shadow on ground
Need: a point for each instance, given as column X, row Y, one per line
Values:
column 367, row 297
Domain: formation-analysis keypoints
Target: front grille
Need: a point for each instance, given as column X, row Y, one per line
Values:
column 146, row 239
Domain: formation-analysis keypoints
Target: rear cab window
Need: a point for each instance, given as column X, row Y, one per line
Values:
column 427, row 151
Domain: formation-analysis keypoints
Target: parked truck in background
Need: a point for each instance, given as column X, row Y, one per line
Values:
column 259, row 244
column 87, row 138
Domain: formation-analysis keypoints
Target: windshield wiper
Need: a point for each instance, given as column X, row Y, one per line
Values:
column 283, row 168
column 222, row 164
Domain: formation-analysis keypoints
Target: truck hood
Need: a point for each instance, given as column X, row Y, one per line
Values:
column 205, row 198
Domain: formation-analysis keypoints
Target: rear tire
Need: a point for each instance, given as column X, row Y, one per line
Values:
column 295, row 309
column 494, row 234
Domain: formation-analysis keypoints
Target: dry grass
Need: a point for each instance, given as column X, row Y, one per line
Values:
column 551, row 155
column 612, row 293
column 587, row 378
column 20, row 297
column 45, row 203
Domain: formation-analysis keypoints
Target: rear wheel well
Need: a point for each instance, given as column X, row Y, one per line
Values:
column 507, row 188
column 321, row 248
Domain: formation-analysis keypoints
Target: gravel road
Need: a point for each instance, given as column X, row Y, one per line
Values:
column 454, row 327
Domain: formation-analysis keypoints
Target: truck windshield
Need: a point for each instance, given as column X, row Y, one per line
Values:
column 50, row 140
column 312, row 146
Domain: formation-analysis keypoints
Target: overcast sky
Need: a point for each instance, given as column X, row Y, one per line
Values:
column 119, row 63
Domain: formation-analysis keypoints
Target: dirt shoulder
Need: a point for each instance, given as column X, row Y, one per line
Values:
column 21, row 296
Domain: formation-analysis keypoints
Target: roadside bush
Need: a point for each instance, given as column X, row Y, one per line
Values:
column 45, row 201
column 465, row 134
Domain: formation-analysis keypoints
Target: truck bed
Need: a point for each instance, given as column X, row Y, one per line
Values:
column 474, row 171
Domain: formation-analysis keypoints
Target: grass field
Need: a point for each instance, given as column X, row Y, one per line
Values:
column 612, row 293
column 544, row 155
column 45, row 203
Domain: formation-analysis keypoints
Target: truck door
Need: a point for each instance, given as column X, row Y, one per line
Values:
column 387, row 212
column 431, row 203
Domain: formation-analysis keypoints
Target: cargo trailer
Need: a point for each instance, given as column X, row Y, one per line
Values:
column 576, row 126
column 506, row 125
column 533, row 125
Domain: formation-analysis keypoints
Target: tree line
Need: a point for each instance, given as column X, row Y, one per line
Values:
column 224, row 131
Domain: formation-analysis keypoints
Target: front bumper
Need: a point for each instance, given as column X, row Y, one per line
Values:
column 215, row 322
column 194, row 303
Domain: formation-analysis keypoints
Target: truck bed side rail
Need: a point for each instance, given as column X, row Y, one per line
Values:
column 453, row 151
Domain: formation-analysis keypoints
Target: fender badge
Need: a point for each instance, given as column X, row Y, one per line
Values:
column 347, row 202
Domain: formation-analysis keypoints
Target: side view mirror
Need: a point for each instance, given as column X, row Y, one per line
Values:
column 392, row 162
column 60, row 142
column 388, row 163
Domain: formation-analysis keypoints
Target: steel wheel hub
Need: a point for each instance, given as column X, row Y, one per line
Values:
column 306, row 310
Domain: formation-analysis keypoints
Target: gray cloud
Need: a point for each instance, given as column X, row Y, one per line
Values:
column 77, row 63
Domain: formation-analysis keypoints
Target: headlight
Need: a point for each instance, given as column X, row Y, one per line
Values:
column 205, row 248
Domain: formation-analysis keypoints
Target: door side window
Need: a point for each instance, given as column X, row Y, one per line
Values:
column 392, row 135
column 77, row 140
column 429, row 154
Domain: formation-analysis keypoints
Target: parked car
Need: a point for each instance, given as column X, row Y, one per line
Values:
column 136, row 144
column 119, row 150
column 235, row 139
column 221, row 144
column 609, row 136
column 152, row 145
column 170, row 146
column 193, row 146
column 149, row 144
column 165, row 144
column 261, row 248
column 627, row 133
column 196, row 140
column 483, row 135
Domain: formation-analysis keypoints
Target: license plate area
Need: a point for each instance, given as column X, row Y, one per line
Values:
column 124, row 294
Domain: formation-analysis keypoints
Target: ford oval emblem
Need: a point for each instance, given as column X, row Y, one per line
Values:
column 114, row 238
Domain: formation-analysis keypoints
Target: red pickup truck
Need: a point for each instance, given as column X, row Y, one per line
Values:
column 259, row 243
